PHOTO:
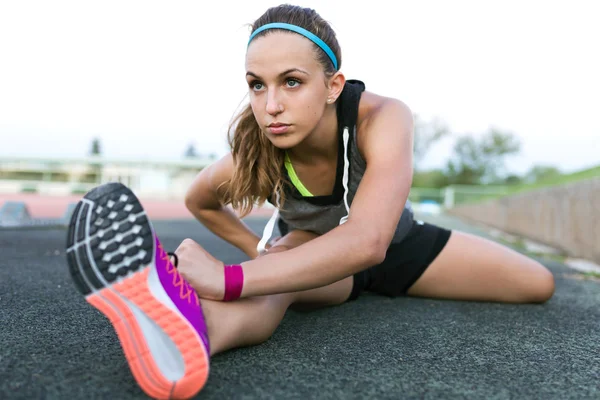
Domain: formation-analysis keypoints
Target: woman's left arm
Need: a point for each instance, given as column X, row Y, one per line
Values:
column 374, row 215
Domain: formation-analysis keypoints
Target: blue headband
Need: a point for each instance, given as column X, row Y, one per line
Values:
column 303, row 32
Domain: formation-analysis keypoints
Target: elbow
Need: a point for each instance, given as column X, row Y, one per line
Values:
column 192, row 203
column 378, row 249
column 189, row 201
column 369, row 245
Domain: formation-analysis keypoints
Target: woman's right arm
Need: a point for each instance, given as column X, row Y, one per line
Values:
column 202, row 201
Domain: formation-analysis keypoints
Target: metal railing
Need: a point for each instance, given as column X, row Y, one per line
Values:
column 450, row 196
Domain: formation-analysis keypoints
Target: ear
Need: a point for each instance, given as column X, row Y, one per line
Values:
column 335, row 85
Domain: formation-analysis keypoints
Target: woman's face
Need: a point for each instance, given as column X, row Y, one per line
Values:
column 288, row 93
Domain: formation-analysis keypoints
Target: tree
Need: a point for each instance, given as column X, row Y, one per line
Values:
column 513, row 179
column 96, row 167
column 426, row 134
column 540, row 173
column 96, row 147
column 481, row 161
column 435, row 178
column 191, row 152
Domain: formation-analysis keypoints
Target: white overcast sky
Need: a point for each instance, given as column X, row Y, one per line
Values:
column 150, row 77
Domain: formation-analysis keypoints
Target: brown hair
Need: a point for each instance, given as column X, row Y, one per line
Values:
column 258, row 164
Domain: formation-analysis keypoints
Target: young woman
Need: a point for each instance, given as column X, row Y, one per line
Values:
column 336, row 160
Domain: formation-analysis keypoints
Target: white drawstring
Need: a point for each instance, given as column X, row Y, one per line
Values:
column 345, row 178
column 268, row 231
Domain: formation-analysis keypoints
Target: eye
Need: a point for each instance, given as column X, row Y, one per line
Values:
column 256, row 86
column 292, row 82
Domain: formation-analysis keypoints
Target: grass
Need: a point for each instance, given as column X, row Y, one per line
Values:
column 559, row 180
column 508, row 190
column 468, row 194
column 591, row 275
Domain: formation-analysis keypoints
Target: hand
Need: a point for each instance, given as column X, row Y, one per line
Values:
column 201, row 270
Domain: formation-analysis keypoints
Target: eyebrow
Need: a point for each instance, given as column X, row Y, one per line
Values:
column 287, row 71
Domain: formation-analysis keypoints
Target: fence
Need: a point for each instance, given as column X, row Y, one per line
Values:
column 453, row 195
column 566, row 217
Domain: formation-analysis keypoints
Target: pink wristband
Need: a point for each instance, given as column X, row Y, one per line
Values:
column 234, row 281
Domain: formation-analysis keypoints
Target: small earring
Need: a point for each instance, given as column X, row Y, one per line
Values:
column 329, row 100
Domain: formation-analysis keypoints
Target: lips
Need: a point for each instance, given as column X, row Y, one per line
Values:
column 278, row 128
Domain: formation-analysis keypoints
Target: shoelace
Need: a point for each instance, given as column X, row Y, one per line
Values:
column 191, row 293
column 186, row 292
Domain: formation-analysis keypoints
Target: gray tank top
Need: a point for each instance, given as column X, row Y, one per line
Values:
column 320, row 214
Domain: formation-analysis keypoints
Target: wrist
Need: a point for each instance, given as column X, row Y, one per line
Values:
column 234, row 282
column 250, row 248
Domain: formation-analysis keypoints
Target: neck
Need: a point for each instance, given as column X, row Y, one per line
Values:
column 322, row 144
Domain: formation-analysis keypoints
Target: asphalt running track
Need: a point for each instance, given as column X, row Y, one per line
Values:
column 53, row 345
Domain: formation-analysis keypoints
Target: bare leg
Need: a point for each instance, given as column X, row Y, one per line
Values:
column 474, row 268
column 251, row 321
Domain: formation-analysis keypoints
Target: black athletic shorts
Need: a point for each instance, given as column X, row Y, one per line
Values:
column 404, row 262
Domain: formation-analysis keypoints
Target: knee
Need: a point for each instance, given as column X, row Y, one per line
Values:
column 542, row 286
column 269, row 310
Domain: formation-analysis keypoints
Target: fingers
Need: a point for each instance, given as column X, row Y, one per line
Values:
column 277, row 249
column 190, row 249
column 273, row 250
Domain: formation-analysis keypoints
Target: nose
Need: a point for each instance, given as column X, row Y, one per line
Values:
column 274, row 105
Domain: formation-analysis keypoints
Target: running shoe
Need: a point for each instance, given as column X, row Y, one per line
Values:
column 120, row 266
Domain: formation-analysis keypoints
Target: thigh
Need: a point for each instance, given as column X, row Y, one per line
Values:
column 474, row 268
column 333, row 294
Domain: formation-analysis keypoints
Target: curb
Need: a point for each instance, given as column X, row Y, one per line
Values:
column 16, row 215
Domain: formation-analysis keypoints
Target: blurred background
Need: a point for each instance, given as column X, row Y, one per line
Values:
column 505, row 98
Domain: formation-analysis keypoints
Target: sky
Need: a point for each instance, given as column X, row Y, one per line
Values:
column 149, row 78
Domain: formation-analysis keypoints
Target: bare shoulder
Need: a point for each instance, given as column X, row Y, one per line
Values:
column 376, row 111
column 203, row 190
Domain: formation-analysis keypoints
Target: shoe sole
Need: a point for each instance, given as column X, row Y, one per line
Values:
column 111, row 253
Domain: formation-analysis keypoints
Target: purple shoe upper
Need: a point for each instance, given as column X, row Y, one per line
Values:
column 181, row 293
